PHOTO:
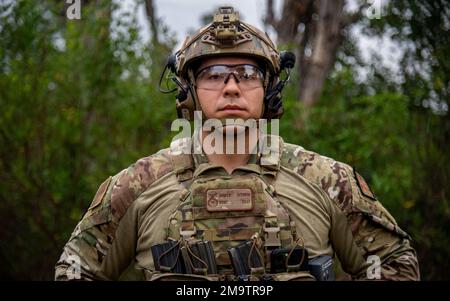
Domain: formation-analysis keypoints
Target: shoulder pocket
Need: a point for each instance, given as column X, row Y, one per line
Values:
column 365, row 203
column 387, row 224
column 99, row 212
column 100, row 194
column 95, row 218
column 376, row 213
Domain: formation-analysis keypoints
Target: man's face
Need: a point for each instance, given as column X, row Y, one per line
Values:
column 230, row 99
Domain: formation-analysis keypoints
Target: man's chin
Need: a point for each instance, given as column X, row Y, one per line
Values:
column 233, row 114
column 233, row 129
column 231, row 124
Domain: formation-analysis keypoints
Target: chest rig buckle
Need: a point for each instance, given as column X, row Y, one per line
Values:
column 272, row 236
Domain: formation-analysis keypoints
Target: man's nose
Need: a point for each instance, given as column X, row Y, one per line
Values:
column 231, row 88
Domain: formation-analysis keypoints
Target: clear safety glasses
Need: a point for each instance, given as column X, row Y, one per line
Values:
column 215, row 77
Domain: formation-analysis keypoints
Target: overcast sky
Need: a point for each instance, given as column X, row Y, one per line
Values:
column 181, row 16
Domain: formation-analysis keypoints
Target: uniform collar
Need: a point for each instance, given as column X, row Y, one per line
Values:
column 203, row 165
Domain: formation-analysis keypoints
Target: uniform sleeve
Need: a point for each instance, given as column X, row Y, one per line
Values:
column 367, row 239
column 99, row 248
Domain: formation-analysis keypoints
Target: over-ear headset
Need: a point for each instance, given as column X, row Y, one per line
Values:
column 273, row 105
column 227, row 36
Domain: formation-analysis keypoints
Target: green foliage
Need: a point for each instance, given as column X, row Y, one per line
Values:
column 394, row 129
column 368, row 132
column 423, row 28
column 80, row 102
column 77, row 106
column 394, row 147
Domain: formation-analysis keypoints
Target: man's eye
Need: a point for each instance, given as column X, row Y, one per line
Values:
column 214, row 77
column 246, row 76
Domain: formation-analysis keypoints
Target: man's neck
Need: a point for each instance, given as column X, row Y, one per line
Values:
column 229, row 161
column 231, row 156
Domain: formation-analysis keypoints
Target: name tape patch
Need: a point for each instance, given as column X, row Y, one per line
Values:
column 236, row 199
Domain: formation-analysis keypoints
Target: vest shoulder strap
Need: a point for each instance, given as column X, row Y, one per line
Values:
column 271, row 152
column 182, row 161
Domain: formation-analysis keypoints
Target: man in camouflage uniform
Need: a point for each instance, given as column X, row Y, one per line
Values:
column 230, row 69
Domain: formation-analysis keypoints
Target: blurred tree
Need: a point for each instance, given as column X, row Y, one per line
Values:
column 78, row 104
column 315, row 30
column 421, row 29
column 153, row 20
column 392, row 125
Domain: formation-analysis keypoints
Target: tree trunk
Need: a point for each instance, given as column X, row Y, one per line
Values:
column 314, row 30
column 293, row 13
column 150, row 9
column 324, row 42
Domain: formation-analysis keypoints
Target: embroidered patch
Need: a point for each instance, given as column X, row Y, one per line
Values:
column 229, row 199
column 363, row 186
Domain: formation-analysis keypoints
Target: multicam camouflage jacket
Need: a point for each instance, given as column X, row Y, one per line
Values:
column 333, row 208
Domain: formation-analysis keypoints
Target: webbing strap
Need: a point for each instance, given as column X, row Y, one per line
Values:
column 182, row 161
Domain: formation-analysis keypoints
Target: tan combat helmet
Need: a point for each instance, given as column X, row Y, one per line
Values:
column 228, row 35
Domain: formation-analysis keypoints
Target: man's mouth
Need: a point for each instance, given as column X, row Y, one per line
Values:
column 232, row 107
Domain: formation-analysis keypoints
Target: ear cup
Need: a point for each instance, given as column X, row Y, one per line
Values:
column 273, row 99
column 273, row 102
column 182, row 95
column 185, row 101
column 171, row 63
column 273, row 107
